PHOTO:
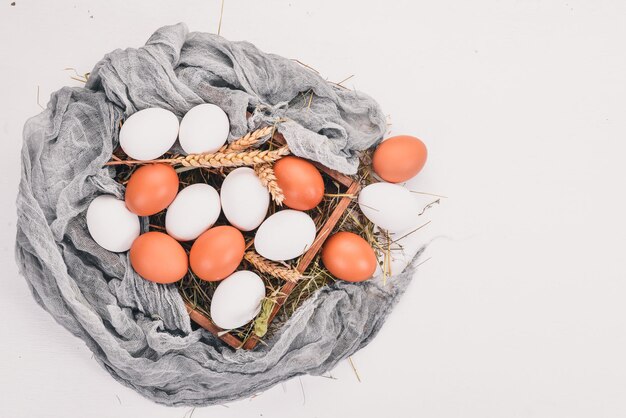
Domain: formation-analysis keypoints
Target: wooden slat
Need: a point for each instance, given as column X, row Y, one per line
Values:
column 200, row 319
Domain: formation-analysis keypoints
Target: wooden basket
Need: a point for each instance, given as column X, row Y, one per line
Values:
column 351, row 188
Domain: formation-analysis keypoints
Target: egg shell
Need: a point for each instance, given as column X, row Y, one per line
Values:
column 159, row 258
column 204, row 128
column 111, row 224
column 195, row 209
column 149, row 133
column 217, row 252
column 399, row 158
column 301, row 183
column 285, row 235
column 151, row 189
column 244, row 199
column 389, row 206
column 349, row 257
column 237, row 300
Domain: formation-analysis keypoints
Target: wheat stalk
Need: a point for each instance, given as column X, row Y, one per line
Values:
column 266, row 174
column 231, row 159
column 248, row 140
column 273, row 269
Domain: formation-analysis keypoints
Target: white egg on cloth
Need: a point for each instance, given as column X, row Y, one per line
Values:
column 285, row 235
column 237, row 299
column 195, row 209
column 403, row 245
column 111, row 224
column 203, row 129
column 389, row 206
column 244, row 199
column 149, row 133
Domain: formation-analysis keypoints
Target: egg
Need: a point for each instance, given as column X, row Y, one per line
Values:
column 149, row 133
column 349, row 257
column 151, row 189
column 111, row 224
column 204, row 128
column 195, row 209
column 399, row 158
column 217, row 253
column 300, row 181
column 285, row 235
column 237, row 300
column 157, row 257
column 389, row 206
column 244, row 199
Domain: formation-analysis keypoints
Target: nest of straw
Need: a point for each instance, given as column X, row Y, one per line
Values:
column 198, row 293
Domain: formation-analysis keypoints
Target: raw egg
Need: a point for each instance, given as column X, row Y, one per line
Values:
column 216, row 253
column 151, row 189
column 149, row 133
column 195, row 209
column 244, row 199
column 349, row 257
column 300, row 181
column 389, row 206
column 203, row 129
column 399, row 158
column 157, row 257
column 237, row 300
column 285, row 235
column 111, row 224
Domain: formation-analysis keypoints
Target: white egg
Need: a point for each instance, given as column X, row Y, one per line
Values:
column 204, row 128
column 149, row 133
column 389, row 206
column 237, row 299
column 285, row 235
column 244, row 199
column 111, row 224
column 195, row 209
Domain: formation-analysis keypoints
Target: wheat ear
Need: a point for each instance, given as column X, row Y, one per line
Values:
column 231, row 159
column 273, row 269
column 248, row 140
column 266, row 174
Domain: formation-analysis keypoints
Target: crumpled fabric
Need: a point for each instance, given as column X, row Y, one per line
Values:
column 139, row 331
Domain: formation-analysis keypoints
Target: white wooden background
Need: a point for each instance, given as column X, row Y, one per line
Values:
column 519, row 313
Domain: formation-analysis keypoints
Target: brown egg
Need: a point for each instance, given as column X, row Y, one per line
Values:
column 399, row 158
column 349, row 257
column 217, row 252
column 300, row 181
column 157, row 257
column 151, row 189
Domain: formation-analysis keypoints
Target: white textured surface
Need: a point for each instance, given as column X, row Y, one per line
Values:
column 520, row 312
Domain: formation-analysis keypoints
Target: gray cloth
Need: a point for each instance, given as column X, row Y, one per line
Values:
column 139, row 331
